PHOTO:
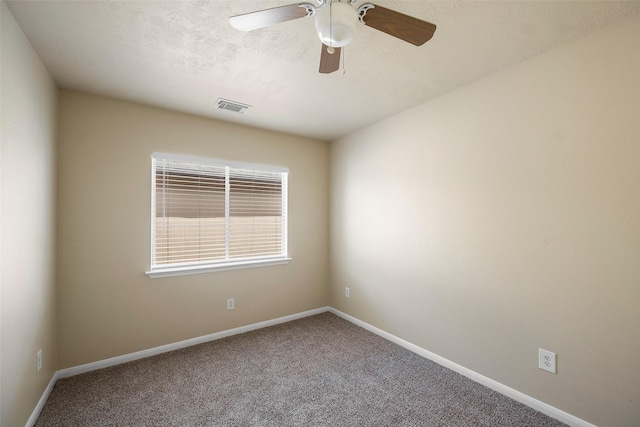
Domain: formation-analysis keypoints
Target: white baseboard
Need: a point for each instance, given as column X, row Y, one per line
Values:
column 68, row 372
column 481, row 379
column 43, row 399
column 536, row 404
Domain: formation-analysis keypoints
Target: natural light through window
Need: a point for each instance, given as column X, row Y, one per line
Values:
column 209, row 214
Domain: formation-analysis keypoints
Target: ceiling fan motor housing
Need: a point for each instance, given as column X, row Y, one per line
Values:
column 336, row 23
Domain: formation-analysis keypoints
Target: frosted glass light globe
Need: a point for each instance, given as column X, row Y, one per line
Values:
column 336, row 24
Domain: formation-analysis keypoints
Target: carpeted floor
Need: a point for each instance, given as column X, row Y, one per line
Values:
column 317, row 371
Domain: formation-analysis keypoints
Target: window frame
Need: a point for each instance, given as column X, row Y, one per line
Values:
column 156, row 271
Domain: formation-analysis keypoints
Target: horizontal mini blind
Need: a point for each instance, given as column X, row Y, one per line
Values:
column 207, row 211
column 255, row 213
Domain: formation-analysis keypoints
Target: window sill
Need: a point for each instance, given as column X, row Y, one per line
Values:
column 181, row 271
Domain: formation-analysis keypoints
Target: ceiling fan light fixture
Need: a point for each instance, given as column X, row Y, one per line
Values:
column 336, row 24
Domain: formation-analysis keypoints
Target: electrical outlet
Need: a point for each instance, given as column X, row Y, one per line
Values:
column 347, row 292
column 547, row 360
column 39, row 360
column 231, row 304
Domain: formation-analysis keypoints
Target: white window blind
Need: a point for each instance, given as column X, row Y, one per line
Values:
column 211, row 213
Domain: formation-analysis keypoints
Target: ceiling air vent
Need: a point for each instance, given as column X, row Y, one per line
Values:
column 236, row 107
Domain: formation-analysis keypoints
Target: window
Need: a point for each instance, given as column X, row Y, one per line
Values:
column 210, row 215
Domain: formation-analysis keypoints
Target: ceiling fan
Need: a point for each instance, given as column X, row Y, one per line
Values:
column 335, row 24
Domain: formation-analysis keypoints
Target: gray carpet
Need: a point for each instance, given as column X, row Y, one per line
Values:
column 317, row 371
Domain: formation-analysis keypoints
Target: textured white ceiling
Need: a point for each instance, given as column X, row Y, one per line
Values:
column 183, row 55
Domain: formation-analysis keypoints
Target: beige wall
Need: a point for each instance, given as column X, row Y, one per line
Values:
column 107, row 305
column 504, row 217
column 27, row 225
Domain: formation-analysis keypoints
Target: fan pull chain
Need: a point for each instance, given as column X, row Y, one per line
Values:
column 330, row 23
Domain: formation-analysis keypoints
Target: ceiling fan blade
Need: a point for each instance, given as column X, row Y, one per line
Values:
column 396, row 24
column 329, row 62
column 264, row 18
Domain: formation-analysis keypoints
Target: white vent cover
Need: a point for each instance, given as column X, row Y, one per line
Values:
column 236, row 107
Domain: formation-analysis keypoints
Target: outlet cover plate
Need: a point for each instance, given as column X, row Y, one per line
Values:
column 547, row 360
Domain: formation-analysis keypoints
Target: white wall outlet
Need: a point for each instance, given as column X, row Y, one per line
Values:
column 231, row 304
column 39, row 360
column 547, row 360
column 347, row 292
